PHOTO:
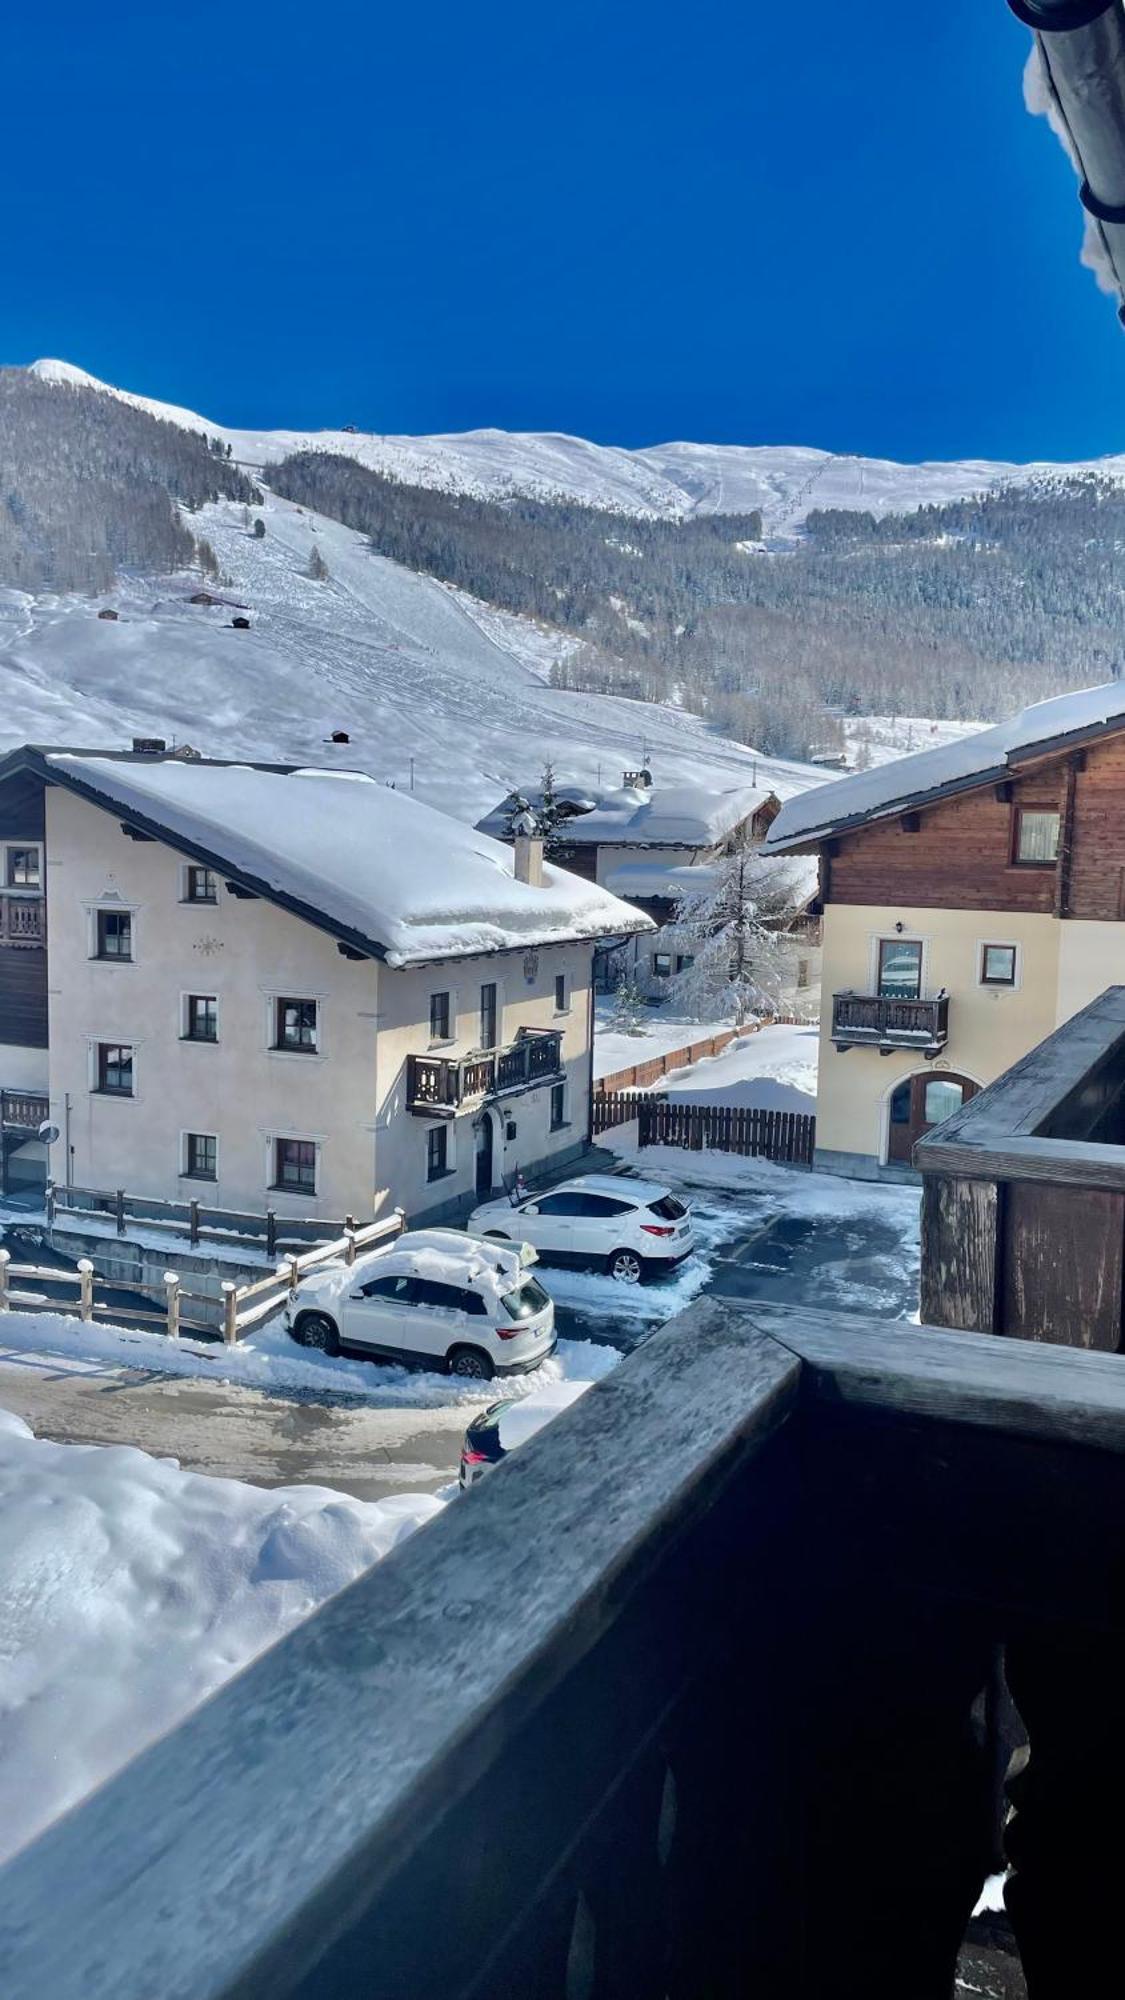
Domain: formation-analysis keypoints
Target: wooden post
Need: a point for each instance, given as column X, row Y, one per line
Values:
column 271, row 1233
column 5, row 1260
column 172, row 1288
column 349, row 1246
column 50, row 1204
column 294, row 1273
column 193, row 1221
column 230, row 1312
column 86, row 1289
column 121, row 1211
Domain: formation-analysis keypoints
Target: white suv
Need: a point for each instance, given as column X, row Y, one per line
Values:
column 630, row 1228
column 433, row 1297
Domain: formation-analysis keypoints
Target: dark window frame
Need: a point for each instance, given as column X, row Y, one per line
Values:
column 898, row 944
column 662, row 965
column 192, row 1170
column 193, row 874
column 985, row 978
column 102, row 920
column 105, row 1068
column 562, row 993
column 441, row 1014
column 558, row 1107
column 12, row 878
column 303, row 1180
column 437, row 1153
column 191, row 1019
column 489, row 1014
column 300, row 1043
column 1024, row 810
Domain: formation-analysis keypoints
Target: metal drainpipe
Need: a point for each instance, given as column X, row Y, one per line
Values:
column 1082, row 45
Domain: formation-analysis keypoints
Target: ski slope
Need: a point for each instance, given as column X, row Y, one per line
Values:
column 669, row 480
column 428, row 684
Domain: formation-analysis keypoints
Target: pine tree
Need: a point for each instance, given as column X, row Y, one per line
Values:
column 628, row 1007
column 318, row 568
column 726, row 929
column 259, row 529
column 206, row 558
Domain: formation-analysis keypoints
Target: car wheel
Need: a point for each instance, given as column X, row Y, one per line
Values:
column 317, row 1330
column 626, row 1266
column 471, row 1362
column 496, row 1236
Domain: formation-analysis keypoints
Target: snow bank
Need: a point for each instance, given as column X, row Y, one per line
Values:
column 987, row 754
column 130, row 1590
column 406, row 879
column 521, row 1420
column 268, row 1359
column 772, row 1070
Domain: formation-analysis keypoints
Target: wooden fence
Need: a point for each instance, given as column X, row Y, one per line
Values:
column 200, row 1223
column 788, row 1136
column 242, row 1306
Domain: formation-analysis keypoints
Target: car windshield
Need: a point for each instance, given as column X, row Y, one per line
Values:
column 667, row 1208
column 528, row 1300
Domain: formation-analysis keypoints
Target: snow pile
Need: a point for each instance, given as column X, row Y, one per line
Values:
column 632, row 816
column 269, row 1359
column 130, row 1590
column 520, row 1421
column 773, row 1070
column 977, row 759
column 408, row 881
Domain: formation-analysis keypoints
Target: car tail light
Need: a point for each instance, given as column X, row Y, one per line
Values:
column 510, row 1331
column 474, row 1457
column 656, row 1229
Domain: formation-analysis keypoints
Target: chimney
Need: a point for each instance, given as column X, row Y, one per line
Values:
column 529, row 850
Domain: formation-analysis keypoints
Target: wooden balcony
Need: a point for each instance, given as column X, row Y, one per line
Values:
column 440, row 1086
column 23, row 921
column 23, row 1110
column 877, row 1021
column 697, row 1695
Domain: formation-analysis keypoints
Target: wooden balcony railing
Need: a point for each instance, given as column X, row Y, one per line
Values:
column 23, row 1110
column 684, row 1699
column 441, row 1085
column 875, row 1020
column 23, row 920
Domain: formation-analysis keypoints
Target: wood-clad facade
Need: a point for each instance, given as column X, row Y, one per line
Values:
column 1006, row 896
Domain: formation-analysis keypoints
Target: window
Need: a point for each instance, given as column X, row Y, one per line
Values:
column 431, row 1292
column 562, row 997
column 294, row 1165
column 488, row 1016
column 115, row 1069
column 114, row 934
column 684, row 961
column 802, row 972
column 23, row 868
column 574, row 1202
column 439, row 1017
column 295, row 1026
column 998, row 965
column 558, row 1106
column 661, row 964
column 941, row 1099
column 200, row 886
column 1036, row 839
column 201, row 1023
column 437, row 1153
column 900, row 968
column 400, row 1288
column 201, row 1156
column 527, row 1301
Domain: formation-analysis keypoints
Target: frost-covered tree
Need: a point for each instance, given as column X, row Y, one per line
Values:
column 628, row 1007
column 259, row 529
column 206, row 558
column 727, row 930
column 318, row 568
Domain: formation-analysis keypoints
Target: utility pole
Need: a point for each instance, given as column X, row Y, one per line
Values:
column 412, row 774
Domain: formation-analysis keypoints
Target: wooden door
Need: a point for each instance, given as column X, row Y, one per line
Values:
column 919, row 1103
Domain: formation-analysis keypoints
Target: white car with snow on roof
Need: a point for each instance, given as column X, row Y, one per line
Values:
column 630, row 1228
column 434, row 1296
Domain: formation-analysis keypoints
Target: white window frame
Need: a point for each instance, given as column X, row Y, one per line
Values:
column 185, row 1019
column 294, row 1193
column 197, row 902
column 204, row 1180
column 112, row 906
column 98, row 1042
column 312, row 1055
column 927, row 989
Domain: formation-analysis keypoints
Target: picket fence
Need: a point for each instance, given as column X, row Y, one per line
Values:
column 787, row 1136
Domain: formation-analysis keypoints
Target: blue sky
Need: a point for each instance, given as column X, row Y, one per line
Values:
column 832, row 225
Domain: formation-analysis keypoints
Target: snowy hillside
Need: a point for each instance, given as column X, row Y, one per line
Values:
column 670, row 480
column 411, row 669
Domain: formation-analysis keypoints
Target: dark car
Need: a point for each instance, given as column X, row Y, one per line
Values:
column 504, row 1426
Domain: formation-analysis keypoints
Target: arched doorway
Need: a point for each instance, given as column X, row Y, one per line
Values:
column 920, row 1102
column 485, row 1131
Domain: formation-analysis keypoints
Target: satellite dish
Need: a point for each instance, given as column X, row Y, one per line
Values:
column 47, row 1134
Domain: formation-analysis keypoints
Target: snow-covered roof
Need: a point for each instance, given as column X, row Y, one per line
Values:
column 670, row 816
column 932, row 774
column 371, row 865
column 637, row 881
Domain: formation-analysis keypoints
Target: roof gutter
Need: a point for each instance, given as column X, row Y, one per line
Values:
column 1081, row 46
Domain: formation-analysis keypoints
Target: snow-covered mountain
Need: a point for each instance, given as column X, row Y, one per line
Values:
column 670, row 480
